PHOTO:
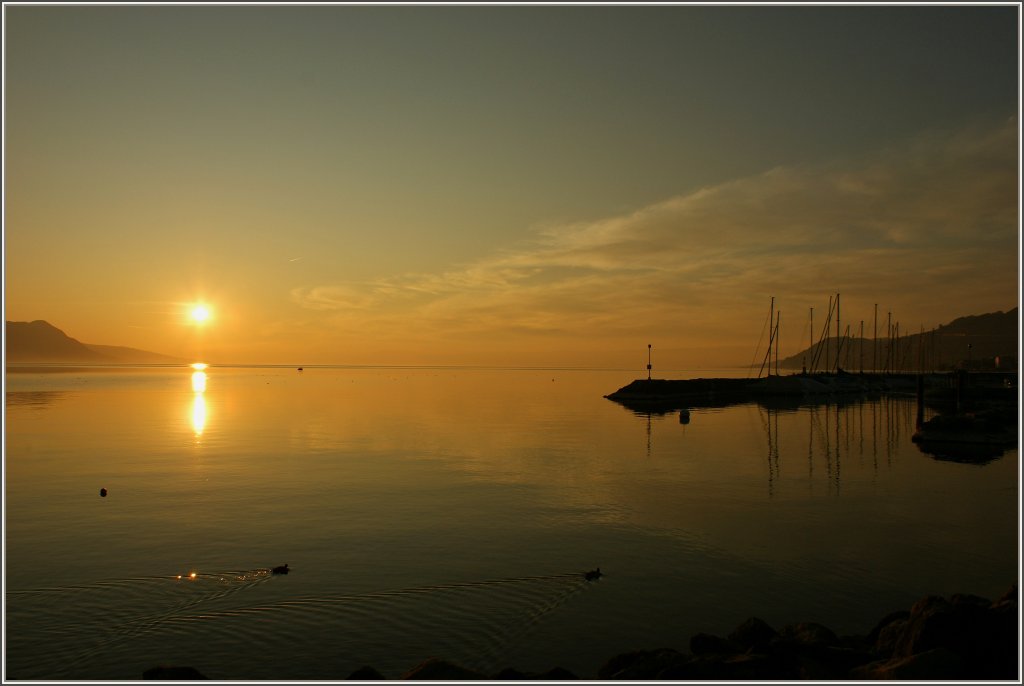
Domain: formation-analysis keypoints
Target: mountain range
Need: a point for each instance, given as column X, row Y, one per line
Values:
column 984, row 341
column 40, row 341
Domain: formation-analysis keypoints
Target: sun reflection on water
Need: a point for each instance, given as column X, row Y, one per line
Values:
column 198, row 414
column 198, row 401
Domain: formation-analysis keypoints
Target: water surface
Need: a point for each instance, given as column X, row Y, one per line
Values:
column 450, row 512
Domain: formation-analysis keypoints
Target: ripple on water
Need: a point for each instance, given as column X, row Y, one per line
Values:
column 228, row 627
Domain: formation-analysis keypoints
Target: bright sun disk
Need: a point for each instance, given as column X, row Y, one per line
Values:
column 200, row 313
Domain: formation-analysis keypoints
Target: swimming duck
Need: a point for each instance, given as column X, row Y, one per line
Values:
column 283, row 569
column 593, row 574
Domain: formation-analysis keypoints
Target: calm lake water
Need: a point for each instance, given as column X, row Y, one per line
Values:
column 450, row 513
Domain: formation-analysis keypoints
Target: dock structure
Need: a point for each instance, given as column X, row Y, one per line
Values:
column 673, row 394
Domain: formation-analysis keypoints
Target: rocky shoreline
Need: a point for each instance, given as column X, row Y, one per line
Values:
column 963, row 637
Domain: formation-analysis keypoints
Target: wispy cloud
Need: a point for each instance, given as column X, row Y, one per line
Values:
column 332, row 298
column 929, row 226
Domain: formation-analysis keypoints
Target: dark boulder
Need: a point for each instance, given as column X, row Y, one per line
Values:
column 641, row 664
column 736, row 667
column 961, row 600
column 889, row 636
column 983, row 636
column 993, row 649
column 812, row 651
column 808, row 634
column 933, row 624
column 827, row 663
column 166, row 673
column 553, row 674
column 876, row 631
column 557, row 674
column 708, row 644
column 366, row 673
column 436, row 669
column 511, row 674
column 939, row 664
column 1009, row 597
column 753, row 634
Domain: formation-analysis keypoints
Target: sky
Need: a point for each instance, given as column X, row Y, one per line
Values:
column 506, row 185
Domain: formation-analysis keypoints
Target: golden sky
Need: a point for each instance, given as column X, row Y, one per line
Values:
column 505, row 185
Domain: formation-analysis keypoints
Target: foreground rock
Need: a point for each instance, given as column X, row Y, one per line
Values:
column 963, row 637
column 441, row 670
column 436, row 669
column 164, row 673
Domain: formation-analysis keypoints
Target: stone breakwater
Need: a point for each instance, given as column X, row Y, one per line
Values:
column 963, row 637
column 667, row 394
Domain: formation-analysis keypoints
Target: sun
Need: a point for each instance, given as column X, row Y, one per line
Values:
column 200, row 314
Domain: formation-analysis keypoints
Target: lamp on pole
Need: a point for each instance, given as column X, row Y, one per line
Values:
column 648, row 361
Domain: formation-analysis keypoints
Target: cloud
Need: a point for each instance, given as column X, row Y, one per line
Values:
column 930, row 225
column 332, row 298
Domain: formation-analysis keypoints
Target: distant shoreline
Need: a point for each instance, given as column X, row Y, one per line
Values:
column 23, row 365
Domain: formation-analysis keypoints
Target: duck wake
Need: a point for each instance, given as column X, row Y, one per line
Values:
column 235, row 625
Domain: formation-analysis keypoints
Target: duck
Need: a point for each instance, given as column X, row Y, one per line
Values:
column 283, row 569
column 593, row 574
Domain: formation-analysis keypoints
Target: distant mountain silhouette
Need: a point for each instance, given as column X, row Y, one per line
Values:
column 40, row 341
column 984, row 341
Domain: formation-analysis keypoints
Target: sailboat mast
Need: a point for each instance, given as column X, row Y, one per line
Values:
column 826, row 332
column 874, row 344
column 888, row 352
column 778, row 320
column 771, row 339
column 810, row 348
column 839, row 340
column 861, row 346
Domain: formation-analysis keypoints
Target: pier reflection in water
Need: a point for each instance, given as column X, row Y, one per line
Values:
column 839, row 432
column 871, row 432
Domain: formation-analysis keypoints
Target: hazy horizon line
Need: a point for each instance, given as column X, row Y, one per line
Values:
column 232, row 365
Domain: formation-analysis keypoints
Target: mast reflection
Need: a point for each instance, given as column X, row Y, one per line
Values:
column 835, row 439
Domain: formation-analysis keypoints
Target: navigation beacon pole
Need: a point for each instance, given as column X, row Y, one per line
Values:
column 648, row 361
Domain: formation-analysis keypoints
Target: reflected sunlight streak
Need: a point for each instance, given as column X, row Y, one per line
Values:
column 198, row 401
column 198, row 414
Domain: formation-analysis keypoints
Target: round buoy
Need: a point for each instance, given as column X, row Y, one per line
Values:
column 103, row 493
